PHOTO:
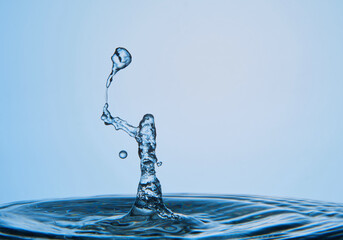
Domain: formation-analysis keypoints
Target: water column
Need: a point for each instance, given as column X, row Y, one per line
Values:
column 149, row 195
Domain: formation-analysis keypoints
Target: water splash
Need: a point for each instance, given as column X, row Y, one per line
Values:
column 149, row 194
column 147, row 216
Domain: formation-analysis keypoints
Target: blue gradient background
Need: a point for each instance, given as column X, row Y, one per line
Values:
column 247, row 96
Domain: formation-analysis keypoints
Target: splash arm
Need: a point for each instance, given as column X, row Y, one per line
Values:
column 118, row 123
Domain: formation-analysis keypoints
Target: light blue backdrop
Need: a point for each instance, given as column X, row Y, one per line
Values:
column 247, row 96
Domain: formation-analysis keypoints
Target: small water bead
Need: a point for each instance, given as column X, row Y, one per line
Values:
column 122, row 154
column 159, row 164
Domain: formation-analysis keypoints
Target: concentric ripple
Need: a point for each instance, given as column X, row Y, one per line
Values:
column 206, row 217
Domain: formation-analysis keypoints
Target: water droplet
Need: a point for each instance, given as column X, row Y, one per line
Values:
column 121, row 58
column 122, row 154
column 159, row 164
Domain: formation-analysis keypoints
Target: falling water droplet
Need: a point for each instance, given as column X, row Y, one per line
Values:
column 159, row 164
column 121, row 58
column 122, row 154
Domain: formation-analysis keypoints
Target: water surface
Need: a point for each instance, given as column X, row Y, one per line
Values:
column 217, row 217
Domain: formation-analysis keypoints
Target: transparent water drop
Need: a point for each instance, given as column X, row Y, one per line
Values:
column 122, row 154
column 159, row 164
column 121, row 58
